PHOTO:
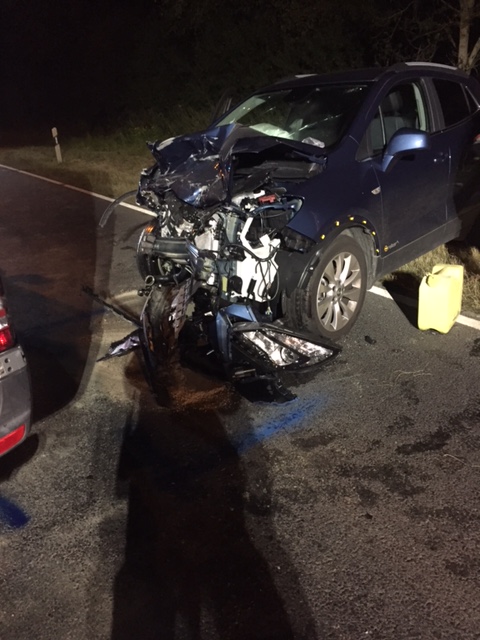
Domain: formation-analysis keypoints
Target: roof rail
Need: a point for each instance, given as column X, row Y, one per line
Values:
column 295, row 77
column 434, row 65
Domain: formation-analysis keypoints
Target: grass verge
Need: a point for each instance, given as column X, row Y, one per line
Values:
column 110, row 165
column 111, row 168
column 407, row 279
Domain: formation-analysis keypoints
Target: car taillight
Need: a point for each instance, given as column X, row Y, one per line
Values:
column 12, row 439
column 7, row 338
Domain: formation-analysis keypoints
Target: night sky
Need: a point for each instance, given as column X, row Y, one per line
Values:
column 65, row 61
column 84, row 64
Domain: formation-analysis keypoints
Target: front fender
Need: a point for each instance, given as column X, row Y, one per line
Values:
column 346, row 194
column 346, row 223
column 296, row 268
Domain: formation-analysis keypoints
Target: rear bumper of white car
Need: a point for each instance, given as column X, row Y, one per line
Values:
column 15, row 399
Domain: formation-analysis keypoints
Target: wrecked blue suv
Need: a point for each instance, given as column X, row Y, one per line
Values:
column 299, row 198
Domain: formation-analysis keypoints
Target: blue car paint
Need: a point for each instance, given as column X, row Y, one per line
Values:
column 421, row 209
column 285, row 423
column 408, row 200
column 334, row 197
column 198, row 167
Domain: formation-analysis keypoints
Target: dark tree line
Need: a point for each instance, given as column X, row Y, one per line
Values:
column 100, row 61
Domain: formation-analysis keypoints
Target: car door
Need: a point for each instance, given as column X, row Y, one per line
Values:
column 414, row 187
column 460, row 129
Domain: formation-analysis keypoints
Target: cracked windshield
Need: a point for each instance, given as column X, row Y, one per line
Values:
column 315, row 115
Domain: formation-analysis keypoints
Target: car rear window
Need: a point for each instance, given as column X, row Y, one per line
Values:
column 453, row 101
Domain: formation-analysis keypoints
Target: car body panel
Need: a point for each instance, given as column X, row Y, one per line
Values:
column 328, row 204
column 412, row 213
column 464, row 144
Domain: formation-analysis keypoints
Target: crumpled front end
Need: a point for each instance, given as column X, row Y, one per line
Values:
column 223, row 200
column 227, row 195
column 203, row 169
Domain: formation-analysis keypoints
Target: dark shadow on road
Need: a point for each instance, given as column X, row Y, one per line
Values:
column 404, row 289
column 192, row 569
column 18, row 457
column 54, row 230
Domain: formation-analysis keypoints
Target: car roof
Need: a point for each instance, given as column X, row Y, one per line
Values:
column 368, row 75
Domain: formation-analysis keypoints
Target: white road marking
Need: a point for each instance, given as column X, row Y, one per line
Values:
column 72, row 188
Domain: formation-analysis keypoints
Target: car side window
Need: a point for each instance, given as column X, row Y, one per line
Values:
column 402, row 107
column 472, row 103
column 453, row 101
column 273, row 110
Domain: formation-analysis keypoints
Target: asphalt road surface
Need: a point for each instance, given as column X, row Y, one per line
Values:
column 350, row 513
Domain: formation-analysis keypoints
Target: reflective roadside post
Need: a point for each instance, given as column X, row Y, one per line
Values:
column 58, row 151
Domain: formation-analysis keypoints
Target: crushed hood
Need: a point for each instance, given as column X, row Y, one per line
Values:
column 197, row 168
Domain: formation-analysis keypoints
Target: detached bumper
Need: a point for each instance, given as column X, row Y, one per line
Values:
column 15, row 399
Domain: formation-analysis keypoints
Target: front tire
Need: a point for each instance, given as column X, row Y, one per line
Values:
column 330, row 301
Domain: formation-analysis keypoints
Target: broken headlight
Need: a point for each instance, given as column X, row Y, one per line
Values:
column 280, row 348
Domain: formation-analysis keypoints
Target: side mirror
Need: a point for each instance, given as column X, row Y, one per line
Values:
column 404, row 142
column 223, row 105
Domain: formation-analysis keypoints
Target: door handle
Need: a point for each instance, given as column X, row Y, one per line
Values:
column 441, row 157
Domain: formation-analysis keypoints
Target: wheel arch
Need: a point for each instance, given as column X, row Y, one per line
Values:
column 369, row 244
column 299, row 304
column 296, row 268
column 360, row 231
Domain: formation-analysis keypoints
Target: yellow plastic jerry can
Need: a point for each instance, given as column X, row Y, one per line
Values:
column 440, row 297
